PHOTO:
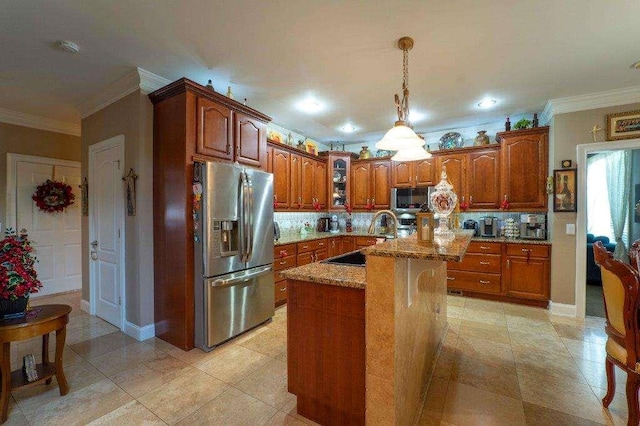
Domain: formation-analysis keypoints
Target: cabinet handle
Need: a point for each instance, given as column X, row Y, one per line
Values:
column 373, row 202
column 416, row 179
column 485, row 282
column 284, row 262
column 304, row 247
column 228, row 148
column 508, row 263
column 321, row 244
column 282, row 290
column 484, row 247
column 409, row 178
column 526, row 250
column 237, row 149
column 485, row 263
column 450, row 278
column 470, row 199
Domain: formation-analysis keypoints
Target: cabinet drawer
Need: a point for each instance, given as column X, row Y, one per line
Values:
column 305, row 258
column 482, row 247
column 281, row 291
column 284, row 250
column 277, row 277
column 284, row 263
column 365, row 241
column 531, row 250
column 474, row 281
column 322, row 244
column 308, row 246
column 475, row 262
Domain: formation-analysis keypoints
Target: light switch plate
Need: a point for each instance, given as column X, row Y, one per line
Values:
column 571, row 229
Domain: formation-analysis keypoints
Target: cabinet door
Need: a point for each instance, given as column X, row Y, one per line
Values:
column 295, row 166
column 335, row 246
column 360, row 174
column 527, row 277
column 380, row 190
column 320, row 180
column 402, row 175
column 305, row 258
column 483, row 180
column 215, row 130
column 424, row 171
column 321, row 254
column 348, row 244
column 281, row 178
column 251, row 141
column 456, row 171
column 307, row 181
column 524, row 170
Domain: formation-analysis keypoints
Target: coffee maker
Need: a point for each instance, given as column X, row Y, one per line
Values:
column 533, row 226
column 489, row 226
column 471, row 224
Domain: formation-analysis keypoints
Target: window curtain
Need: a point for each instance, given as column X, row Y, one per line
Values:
column 618, row 188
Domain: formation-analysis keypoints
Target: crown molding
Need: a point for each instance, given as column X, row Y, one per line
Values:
column 38, row 122
column 609, row 98
column 137, row 79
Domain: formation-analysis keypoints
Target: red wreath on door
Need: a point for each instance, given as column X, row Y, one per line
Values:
column 53, row 196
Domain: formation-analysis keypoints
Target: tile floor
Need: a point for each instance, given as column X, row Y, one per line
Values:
column 501, row 364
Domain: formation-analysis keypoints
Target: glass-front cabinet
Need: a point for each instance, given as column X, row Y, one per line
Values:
column 339, row 163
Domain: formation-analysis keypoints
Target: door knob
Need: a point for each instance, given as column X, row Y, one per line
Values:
column 94, row 253
column 94, row 243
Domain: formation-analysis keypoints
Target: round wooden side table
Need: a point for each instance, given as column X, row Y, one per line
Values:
column 47, row 318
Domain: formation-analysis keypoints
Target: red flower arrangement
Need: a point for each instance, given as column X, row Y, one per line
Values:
column 53, row 196
column 18, row 277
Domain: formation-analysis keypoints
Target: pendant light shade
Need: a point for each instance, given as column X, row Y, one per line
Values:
column 411, row 154
column 400, row 137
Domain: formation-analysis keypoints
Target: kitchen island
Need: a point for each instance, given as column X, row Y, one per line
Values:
column 362, row 339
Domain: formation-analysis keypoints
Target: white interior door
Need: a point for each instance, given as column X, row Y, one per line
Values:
column 56, row 237
column 107, row 218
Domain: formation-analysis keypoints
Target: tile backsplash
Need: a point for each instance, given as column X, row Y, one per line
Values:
column 293, row 222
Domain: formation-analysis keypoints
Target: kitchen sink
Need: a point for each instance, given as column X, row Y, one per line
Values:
column 355, row 258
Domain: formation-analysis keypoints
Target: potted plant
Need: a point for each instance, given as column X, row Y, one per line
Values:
column 18, row 277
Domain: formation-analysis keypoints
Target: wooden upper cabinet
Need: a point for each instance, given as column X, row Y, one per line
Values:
column 320, row 180
column 402, row 175
column 269, row 159
column 456, row 171
column 251, row 141
column 295, row 165
column 281, row 178
column 360, row 175
column 214, row 136
column 380, row 191
column 524, row 168
column 483, row 179
column 307, row 191
column 425, row 173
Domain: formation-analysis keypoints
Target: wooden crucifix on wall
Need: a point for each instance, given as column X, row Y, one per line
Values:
column 130, row 181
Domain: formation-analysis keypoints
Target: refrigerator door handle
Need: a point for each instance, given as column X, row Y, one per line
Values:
column 249, row 214
column 245, row 209
column 239, row 277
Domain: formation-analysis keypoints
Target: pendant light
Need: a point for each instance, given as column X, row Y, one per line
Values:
column 401, row 136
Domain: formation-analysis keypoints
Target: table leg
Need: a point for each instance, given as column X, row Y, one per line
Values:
column 45, row 352
column 5, row 371
column 61, row 336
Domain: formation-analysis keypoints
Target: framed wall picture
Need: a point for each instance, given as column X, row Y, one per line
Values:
column 564, row 190
column 623, row 125
column 636, row 204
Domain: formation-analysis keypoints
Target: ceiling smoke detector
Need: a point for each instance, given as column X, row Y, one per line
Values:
column 68, row 46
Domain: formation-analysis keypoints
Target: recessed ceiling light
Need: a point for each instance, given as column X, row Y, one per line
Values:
column 487, row 103
column 68, row 46
column 348, row 128
column 310, row 106
column 635, row 65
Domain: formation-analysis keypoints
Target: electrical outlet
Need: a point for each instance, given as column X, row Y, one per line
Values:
column 570, row 229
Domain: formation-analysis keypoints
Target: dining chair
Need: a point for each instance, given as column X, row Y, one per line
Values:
column 634, row 254
column 620, row 288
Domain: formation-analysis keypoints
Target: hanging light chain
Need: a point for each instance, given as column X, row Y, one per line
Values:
column 405, row 68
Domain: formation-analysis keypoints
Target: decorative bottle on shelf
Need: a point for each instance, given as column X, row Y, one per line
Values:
column 229, row 92
column 210, row 85
column 535, row 120
column 507, row 125
column 481, row 139
column 365, row 153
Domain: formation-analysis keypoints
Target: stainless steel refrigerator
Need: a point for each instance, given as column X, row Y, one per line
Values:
column 233, row 238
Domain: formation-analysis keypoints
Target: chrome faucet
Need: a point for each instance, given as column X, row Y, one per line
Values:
column 372, row 227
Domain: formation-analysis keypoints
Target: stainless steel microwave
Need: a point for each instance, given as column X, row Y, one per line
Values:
column 409, row 200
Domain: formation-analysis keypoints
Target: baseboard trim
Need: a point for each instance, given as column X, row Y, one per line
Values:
column 139, row 333
column 85, row 306
column 563, row 309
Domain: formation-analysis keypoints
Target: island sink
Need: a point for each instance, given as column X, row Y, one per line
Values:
column 355, row 258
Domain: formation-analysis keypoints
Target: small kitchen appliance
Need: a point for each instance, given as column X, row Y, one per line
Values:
column 533, row 226
column 471, row 224
column 489, row 226
column 334, row 224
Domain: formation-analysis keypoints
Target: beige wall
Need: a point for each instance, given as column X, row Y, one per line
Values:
column 568, row 131
column 131, row 116
column 27, row 141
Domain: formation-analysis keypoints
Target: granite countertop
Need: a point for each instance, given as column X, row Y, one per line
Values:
column 328, row 273
column 408, row 247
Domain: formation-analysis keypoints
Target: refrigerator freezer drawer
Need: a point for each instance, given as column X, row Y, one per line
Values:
column 238, row 302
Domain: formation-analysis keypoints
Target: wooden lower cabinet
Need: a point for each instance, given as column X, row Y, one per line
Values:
column 348, row 244
column 362, row 242
column 284, row 257
column 334, row 246
column 505, row 271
